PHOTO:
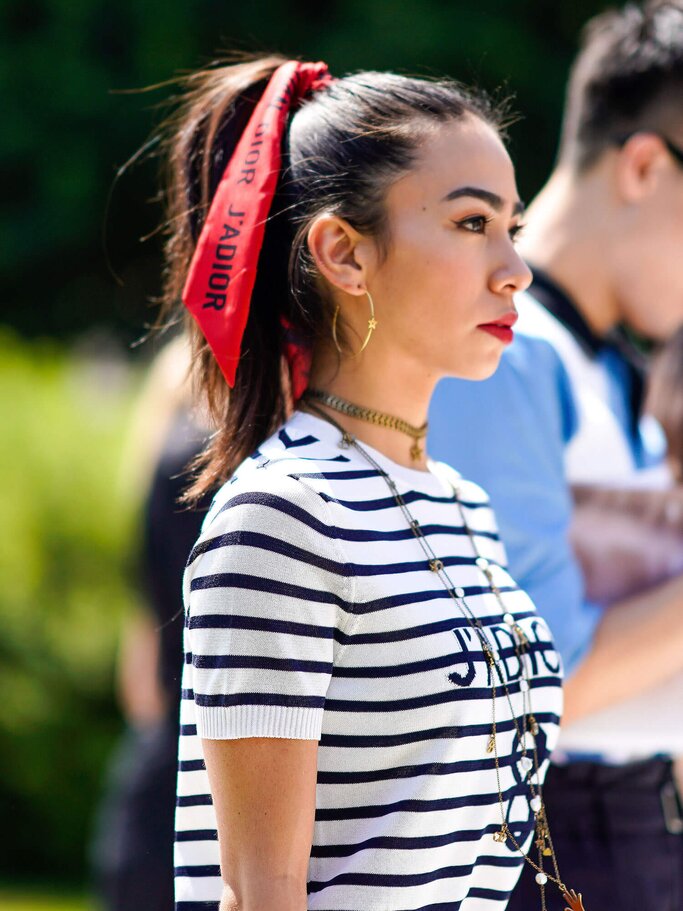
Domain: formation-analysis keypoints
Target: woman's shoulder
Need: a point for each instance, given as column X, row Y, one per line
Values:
column 468, row 492
column 301, row 462
column 268, row 492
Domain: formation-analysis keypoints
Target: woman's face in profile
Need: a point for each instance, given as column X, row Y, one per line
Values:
column 444, row 290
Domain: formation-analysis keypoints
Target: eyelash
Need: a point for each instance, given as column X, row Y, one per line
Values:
column 483, row 221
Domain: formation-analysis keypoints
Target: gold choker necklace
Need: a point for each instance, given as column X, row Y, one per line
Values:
column 373, row 417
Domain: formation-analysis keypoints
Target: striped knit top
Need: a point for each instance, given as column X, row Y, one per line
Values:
column 311, row 612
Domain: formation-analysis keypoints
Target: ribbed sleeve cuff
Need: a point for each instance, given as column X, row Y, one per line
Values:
column 237, row 721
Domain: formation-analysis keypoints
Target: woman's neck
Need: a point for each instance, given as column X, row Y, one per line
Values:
column 363, row 382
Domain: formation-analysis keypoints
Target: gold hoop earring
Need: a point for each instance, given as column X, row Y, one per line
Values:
column 372, row 325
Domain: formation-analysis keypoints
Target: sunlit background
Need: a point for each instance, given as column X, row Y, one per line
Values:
column 80, row 264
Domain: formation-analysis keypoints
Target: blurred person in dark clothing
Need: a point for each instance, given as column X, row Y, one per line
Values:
column 133, row 850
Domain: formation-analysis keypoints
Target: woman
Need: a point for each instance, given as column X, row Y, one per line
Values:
column 369, row 700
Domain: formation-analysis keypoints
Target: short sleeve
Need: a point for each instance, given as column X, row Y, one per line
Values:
column 267, row 593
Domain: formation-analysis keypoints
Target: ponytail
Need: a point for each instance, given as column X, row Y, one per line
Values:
column 202, row 138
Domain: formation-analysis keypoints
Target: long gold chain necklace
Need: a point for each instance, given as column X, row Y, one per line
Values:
column 529, row 725
column 373, row 417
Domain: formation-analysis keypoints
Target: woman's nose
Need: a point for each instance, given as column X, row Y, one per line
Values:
column 513, row 276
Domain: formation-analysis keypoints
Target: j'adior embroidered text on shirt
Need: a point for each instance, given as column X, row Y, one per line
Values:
column 311, row 613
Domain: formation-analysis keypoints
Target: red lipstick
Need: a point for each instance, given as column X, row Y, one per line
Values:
column 501, row 328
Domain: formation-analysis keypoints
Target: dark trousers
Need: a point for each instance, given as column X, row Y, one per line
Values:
column 617, row 836
column 133, row 849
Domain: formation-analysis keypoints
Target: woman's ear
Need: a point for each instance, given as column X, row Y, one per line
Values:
column 340, row 253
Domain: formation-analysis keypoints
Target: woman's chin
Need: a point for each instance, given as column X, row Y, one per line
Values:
column 481, row 370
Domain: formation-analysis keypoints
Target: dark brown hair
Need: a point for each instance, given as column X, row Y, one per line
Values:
column 344, row 147
column 627, row 77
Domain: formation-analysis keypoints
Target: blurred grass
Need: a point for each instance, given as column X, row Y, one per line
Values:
column 29, row 901
column 68, row 533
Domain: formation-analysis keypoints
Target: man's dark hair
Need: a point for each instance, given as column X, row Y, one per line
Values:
column 627, row 77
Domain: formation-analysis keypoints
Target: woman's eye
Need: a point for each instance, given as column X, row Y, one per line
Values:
column 516, row 231
column 476, row 224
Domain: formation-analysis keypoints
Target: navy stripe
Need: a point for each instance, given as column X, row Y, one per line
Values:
column 264, row 624
column 277, row 545
column 456, row 694
column 476, row 656
column 439, row 906
column 406, row 566
column 321, row 596
column 374, row 811
column 354, row 741
column 224, row 700
column 401, row 534
column 388, row 502
column 281, row 459
column 194, row 800
column 191, row 765
column 280, row 504
column 406, row 880
column 410, row 496
column 267, row 586
column 272, row 501
column 290, row 443
column 416, row 843
column 294, row 628
column 416, row 771
column 417, row 632
column 351, row 474
column 197, row 835
column 196, row 906
column 419, row 597
column 256, row 661
column 361, row 473
column 272, row 545
column 492, row 894
column 198, row 870
column 371, row 741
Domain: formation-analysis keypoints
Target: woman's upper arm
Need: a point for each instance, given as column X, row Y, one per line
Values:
column 263, row 792
column 266, row 592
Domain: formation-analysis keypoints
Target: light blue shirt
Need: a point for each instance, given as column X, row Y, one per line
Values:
column 508, row 433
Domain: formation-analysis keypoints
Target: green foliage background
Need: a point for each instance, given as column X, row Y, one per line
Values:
column 68, row 528
column 71, row 260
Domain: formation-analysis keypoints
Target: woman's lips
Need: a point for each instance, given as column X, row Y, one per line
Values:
column 501, row 328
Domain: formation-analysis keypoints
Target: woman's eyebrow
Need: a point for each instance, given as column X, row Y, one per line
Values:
column 493, row 199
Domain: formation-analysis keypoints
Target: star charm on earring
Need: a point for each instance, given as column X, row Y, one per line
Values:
column 372, row 324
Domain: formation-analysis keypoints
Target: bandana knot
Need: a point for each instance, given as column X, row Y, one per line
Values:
column 222, row 273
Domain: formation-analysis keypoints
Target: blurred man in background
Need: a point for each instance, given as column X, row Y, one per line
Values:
column 605, row 242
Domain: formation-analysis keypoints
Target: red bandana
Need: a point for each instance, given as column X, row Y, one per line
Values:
column 221, row 277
